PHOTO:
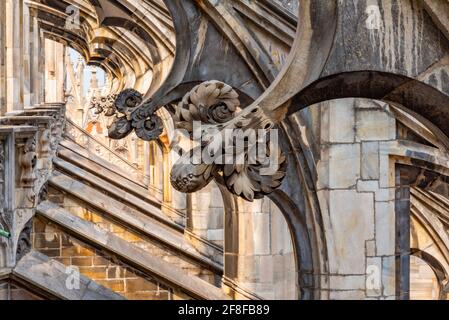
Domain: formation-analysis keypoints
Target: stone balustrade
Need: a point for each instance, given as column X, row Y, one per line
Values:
column 90, row 143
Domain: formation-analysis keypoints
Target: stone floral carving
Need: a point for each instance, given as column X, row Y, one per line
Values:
column 211, row 102
column 187, row 177
column 148, row 126
column 105, row 104
column 241, row 152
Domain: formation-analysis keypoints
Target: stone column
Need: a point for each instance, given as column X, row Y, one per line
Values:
column 41, row 67
column 2, row 58
column 14, row 55
column 26, row 57
column 35, row 56
column 146, row 162
column 50, row 71
column 356, row 191
column 167, row 196
column 204, row 226
column 259, row 258
column 206, row 214
column 54, row 71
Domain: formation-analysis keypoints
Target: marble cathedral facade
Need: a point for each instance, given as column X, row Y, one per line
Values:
column 102, row 193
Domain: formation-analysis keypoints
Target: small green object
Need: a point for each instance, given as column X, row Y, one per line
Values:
column 4, row 233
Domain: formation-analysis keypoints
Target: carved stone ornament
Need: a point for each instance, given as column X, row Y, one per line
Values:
column 104, row 104
column 27, row 161
column 45, row 142
column 24, row 241
column 211, row 102
column 239, row 152
column 147, row 125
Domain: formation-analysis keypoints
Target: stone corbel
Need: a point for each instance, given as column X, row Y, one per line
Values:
column 44, row 124
column 26, row 186
column 50, row 139
column 257, row 166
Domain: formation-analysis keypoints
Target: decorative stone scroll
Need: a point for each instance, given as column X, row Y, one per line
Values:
column 122, row 107
column 211, row 102
column 238, row 146
column 238, row 152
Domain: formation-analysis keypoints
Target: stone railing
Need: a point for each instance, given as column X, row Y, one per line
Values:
column 90, row 143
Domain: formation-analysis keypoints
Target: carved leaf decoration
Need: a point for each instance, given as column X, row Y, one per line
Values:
column 214, row 104
column 246, row 180
column 186, row 114
column 127, row 100
column 110, row 111
column 211, row 102
column 188, row 177
column 120, row 128
column 150, row 128
column 242, row 185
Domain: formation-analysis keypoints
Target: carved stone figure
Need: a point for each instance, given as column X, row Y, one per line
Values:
column 27, row 161
column 24, row 241
column 45, row 143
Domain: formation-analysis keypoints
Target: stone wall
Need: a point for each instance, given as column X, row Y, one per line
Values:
column 265, row 261
column 11, row 291
column 88, row 213
column 423, row 282
column 355, row 188
column 99, row 266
